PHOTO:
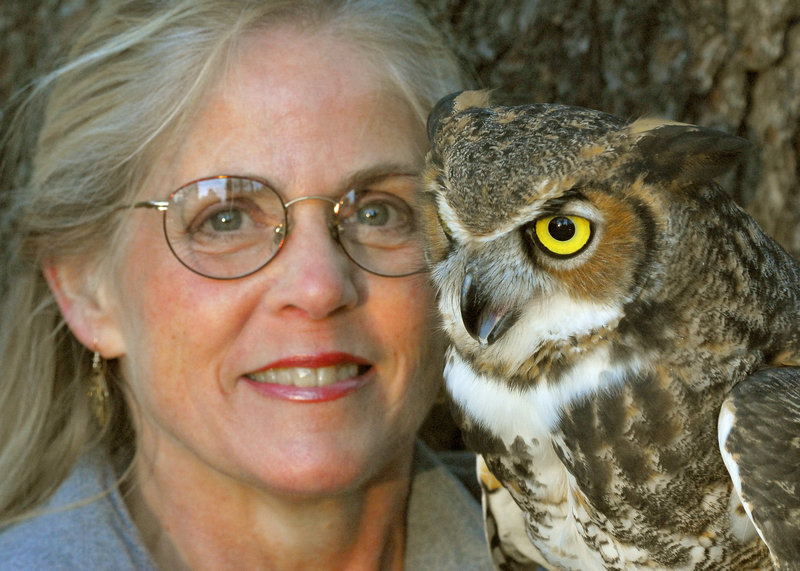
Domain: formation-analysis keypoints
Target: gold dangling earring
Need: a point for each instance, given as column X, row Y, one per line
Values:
column 98, row 389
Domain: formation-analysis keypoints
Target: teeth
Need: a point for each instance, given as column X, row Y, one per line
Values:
column 304, row 377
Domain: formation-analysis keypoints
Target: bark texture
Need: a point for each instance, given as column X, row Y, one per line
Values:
column 729, row 64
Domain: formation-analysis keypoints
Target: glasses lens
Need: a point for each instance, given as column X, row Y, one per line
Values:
column 225, row 227
column 379, row 232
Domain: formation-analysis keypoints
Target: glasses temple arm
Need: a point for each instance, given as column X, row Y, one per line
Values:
column 157, row 204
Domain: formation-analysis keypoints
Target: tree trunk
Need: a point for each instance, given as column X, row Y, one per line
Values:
column 729, row 64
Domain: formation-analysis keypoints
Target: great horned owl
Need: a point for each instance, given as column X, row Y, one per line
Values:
column 620, row 332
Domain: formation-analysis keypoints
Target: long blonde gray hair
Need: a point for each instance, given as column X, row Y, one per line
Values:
column 129, row 85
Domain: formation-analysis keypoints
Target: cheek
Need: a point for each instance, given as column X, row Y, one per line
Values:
column 170, row 318
column 608, row 273
column 411, row 332
column 607, row 276
column 407, row 313
column 154, row 331
column 153, row 297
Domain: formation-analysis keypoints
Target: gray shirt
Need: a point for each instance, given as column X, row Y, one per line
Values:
column 444, row 527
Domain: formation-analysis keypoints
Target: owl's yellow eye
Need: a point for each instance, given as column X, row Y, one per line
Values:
column 563, row 235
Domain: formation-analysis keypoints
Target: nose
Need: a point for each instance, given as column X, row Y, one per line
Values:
column 315, row 276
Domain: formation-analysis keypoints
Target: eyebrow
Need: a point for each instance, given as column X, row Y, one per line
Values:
column 378, row 173
column 362, row 177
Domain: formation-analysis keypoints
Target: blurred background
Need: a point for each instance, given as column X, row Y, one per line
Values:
column 729, row 64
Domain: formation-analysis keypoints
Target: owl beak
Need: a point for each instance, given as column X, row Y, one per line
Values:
column 486, row 324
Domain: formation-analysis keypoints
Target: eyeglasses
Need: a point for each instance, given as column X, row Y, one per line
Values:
column 229, row 227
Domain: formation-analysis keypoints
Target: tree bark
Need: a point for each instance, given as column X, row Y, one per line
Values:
column 728, row 64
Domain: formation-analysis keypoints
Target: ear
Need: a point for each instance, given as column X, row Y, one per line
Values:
column 86, row 306
column 686, row 153
column 455, row 103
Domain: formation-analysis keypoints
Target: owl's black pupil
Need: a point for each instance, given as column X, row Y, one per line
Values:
column 561, row 229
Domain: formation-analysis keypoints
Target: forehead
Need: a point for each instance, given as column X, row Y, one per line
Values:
column 283, row 62
column 291, row 100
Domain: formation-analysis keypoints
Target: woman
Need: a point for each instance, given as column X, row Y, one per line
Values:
column 221, row 212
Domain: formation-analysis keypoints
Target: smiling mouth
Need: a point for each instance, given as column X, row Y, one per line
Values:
column 309, row 377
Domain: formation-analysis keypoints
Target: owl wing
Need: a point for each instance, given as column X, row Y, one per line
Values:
column 511, row 550
column 759, row 436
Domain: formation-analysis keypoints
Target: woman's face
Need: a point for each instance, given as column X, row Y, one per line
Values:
column 306, row 114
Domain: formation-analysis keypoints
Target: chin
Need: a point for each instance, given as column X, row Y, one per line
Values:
column 313, row 467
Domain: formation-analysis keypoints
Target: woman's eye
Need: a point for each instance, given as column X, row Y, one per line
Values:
column 562, row 236
column 379, row 211
column 235, row 219
column 226, row 220
column 375, row 214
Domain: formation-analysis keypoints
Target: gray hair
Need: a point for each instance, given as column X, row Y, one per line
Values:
column 130, row 84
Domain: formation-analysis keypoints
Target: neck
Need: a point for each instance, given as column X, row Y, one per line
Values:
column 188, row 520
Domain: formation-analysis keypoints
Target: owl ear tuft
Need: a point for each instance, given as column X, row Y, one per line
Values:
column 687, row 153
column 455, row 103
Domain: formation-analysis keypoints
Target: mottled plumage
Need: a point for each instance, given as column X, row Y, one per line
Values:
column 609, row 306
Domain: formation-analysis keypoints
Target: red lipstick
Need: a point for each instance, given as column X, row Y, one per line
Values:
column 354, row 372
column 315, row 361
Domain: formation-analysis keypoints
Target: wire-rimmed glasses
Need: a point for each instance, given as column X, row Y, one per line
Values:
column 228, row 227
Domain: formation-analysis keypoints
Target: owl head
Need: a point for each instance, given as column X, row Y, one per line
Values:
column 545, row 222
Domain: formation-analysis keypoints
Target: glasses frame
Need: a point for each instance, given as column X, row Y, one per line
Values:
column 163, row 205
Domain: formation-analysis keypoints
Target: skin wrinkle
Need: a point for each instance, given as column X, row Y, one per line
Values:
column 330, row 477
